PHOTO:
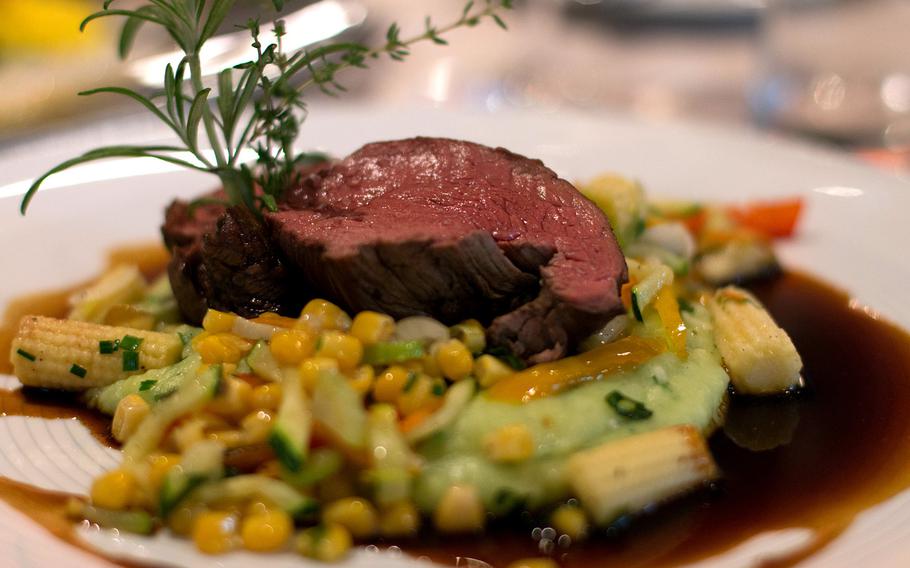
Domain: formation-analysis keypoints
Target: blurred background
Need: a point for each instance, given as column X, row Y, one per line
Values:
column 833, row 71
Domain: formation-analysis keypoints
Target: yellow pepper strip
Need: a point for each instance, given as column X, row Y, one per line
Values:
column 551, row 378
column 668, row 309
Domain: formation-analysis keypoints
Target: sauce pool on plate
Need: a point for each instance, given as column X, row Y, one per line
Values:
column 813, row 460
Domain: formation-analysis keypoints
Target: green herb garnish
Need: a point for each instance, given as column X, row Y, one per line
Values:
column 78, row 371
column 257, row 105
column 25, row 354
column 108, row 347
column 628, row 407
column 412, row 380
column 130, row 343
column 147, row 384
column 130, row 360
column 439, row 388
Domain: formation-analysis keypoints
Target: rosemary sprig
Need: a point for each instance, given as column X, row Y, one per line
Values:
column 258, row 104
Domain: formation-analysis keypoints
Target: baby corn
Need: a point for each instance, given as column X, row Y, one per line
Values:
column 74, row 355
column 629, row 474
column 758, row 354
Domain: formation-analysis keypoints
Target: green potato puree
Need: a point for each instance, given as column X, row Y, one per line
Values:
column 676, row 391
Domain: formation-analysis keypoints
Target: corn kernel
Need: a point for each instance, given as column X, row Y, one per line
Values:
column 357, row 515
column 213, row 532
column 460, row 510
column 417, row 391
column 291, row 346
column 372, row 327
column 233, row 398
column 159, row 465
column 510, row 444
column 266, row 397
column 390, row 383
column 454, row 359
column 489, row 370
column 401, row 519
column 114, row 489
column 571, row 521
column 187, row 433
column 344, row 348
column 256, row 426
column 311, row 368
column 362, row 379
column 218, row 322
column 131, row 411
column 327, row 544
column 221, row 347
column 256, row 508
column 534, row 563
column 267, row 531
column 322, row 315
column 229, row 438
column 182, row 518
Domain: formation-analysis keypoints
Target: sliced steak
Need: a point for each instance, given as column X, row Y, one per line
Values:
column 453, row 230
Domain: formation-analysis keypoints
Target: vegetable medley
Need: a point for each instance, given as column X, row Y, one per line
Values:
column 316, row 432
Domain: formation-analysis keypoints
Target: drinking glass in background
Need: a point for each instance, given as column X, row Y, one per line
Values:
column 837, row 69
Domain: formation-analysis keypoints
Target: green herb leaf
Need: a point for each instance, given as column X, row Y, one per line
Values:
column 109, row 346
column 78, row 371
column 25, row 354
column 628, row 407
column 147, row 384
column 130, row 360
column 130, row 343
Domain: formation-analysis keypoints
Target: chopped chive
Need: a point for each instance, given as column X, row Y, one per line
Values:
column 628, row 407
column 130, row 343
column 106, row 347
column 78, row 371
column 130, row 360
column 439, row 388
column 147, row 384
column 412, row 379
column 25, row 354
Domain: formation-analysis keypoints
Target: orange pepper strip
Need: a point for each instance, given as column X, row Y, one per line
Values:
column 551, row 378
column 273, row 319
column 771, row 218
column 668, row 309
column 419, row 416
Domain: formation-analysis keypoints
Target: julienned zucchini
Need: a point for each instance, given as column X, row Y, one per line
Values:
column 243, row 488
column 290, row 436
column 389, row 352
column 138, row 522
column 456, row 398
column 656, row 276
column 164, row 382
column 203, row 461
column 263, row 363
column 192, row 394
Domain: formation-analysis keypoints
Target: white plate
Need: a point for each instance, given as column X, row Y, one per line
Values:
column 853, row 235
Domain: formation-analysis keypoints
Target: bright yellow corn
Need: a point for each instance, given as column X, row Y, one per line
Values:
column 327, row 544
column 311, row 368
column 362, row 379
column 372, row 327
column 400, row 519
column 233, row 399
column 417, row 391
column 266, row 397
column 357, row 515
column 292, row 346
column 159, row 465
column 322, row 315
column 256, row 426
column 214, row 531
column 131, row 410
column 454, row 359
column 64, row 354
column 510, row 444
column 344, row 348
column 460, row 510
column 266, row 531
column 221, row 347
column 489, row 370
column 390, row 383
column 114, row 490
column 218, row 322
column 572, row 521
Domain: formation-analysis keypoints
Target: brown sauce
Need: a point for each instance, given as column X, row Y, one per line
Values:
column 829, row 453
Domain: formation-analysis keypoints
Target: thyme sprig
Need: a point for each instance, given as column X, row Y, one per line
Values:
column 258, row 104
